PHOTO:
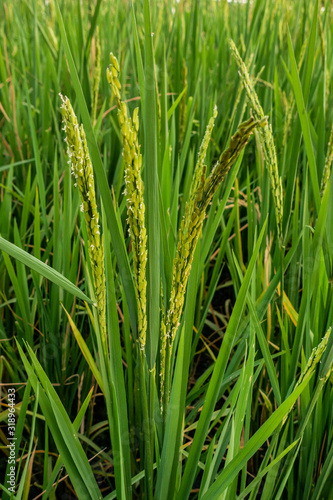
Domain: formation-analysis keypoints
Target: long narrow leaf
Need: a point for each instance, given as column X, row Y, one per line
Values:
column 41, row 268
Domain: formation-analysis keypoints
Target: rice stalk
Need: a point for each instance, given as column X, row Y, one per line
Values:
column 266, row 135
column 82, row 171
column 134, row 195
column 201, row 193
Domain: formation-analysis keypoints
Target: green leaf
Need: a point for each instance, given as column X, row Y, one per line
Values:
column 41, row 268
column 63, row 431
column 304, row 119
column 263, row 473
column 86, row 353
column 151, row 195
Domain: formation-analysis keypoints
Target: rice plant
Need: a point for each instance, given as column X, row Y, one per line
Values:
column 166, row 250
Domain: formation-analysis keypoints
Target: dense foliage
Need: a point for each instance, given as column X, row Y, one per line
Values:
column 201, row 369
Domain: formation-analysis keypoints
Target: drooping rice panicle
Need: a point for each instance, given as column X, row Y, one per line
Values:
column 239, row 94
column 227, row 158
column 187, row 238
column 183, row 260
column 266, row 136
column 134, row 195
column 314, row 359
column 82, row 171
column 202, row 192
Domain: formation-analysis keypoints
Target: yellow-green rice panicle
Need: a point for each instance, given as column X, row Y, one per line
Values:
column 314, row 359
column 227, row 158
column 328, row 164
column 134, row 195
column 266, row 136
column 112, row 73
column 315, row 356
column 188, row 235
column 201, row 194
column 82, row 171
column 198, row 171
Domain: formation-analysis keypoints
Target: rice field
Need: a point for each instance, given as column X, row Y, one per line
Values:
column 166, row 250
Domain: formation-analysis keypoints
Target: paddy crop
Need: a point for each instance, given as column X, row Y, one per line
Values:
column 166, row 208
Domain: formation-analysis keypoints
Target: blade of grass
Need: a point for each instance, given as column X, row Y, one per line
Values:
column 85, row 351
column 41, row 268
column 76, row 462
column 151, row 192
column 263, row 473
column 139, row 63
column 59, row 464
column 304, row 119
